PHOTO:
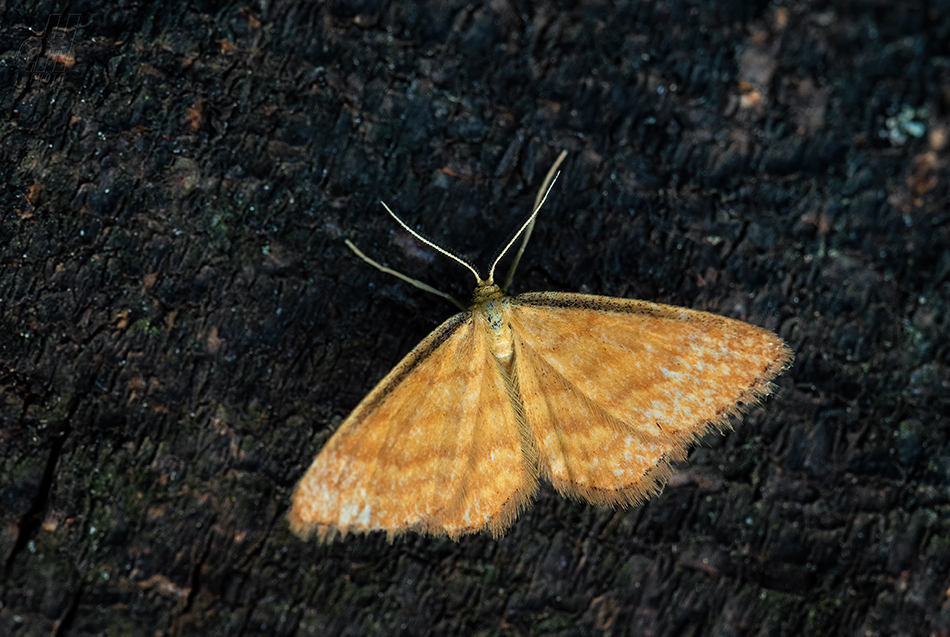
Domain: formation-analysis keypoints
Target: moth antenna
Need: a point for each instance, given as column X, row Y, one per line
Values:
column 528, row 226
column 435, row 246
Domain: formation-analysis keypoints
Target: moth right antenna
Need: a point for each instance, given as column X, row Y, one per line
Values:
column 543, row 191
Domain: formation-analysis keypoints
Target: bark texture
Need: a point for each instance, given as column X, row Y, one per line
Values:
column 181, row 326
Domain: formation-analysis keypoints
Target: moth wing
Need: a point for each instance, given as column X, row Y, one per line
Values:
column 433, row 448
column 614, row 389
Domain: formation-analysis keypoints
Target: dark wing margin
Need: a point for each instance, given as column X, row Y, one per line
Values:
column 410, row 362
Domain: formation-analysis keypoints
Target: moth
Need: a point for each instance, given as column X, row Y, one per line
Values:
column 596, row 395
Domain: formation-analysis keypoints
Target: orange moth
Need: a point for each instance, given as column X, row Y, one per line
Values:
column 597, row 395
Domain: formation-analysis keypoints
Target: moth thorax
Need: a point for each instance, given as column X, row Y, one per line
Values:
column 500, row 339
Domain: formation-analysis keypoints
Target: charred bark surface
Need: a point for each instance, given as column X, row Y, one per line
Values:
column 181, row 326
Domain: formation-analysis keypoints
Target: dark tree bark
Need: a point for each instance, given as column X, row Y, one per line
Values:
column 182, row 328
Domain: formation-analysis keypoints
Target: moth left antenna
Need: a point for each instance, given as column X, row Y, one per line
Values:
column 434, row 245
